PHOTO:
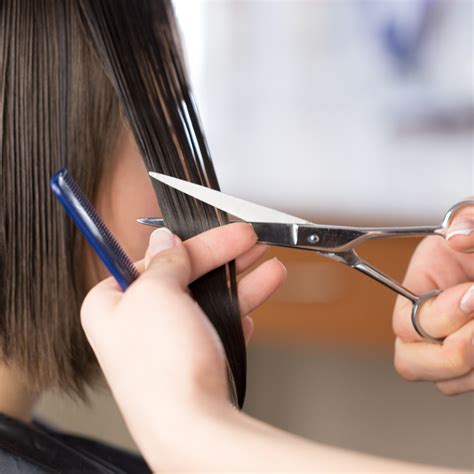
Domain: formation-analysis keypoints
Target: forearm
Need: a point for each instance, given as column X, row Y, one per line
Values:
column 222, row 439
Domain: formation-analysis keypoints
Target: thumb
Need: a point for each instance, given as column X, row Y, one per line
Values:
column 461, row 231
column 166, row 260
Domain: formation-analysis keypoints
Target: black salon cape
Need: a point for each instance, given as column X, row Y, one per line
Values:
column 34, row 449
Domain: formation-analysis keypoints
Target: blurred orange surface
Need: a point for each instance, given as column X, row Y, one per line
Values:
column 324, row 302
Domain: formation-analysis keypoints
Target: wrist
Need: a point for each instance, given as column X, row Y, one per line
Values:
column 180, row 439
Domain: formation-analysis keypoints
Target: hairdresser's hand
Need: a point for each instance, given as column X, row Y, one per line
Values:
column 166, row 367
column 159, row 352
column 447, row 265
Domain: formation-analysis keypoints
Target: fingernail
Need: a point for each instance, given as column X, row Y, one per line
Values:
column 160, row 239
column 464, row 227
column 282, row 264
column 467, row 302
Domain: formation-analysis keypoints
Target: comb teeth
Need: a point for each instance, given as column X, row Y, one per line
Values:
column 94, row 228
column 100, row 224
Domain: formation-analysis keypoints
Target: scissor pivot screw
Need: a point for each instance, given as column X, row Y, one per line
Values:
column 313, row 239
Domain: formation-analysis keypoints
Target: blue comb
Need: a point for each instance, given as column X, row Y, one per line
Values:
column 93, row 228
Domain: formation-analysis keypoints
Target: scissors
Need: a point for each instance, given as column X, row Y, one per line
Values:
column 338, row 243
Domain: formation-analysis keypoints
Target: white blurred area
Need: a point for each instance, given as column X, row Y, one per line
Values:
column 307, row 109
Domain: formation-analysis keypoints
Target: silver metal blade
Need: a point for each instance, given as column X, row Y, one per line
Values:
column 245, row 210
column 152, row 221
column 271, row 233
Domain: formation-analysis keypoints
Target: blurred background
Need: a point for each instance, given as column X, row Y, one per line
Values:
column 344, row 112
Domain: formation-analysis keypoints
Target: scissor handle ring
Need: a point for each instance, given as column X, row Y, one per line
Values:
column 450, row 214
column 415, row 316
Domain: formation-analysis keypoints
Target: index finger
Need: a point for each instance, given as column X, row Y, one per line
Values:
column 439, row 316
column 460, row 234
column 219, row 246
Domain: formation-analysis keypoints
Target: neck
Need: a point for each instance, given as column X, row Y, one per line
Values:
column 16, row 400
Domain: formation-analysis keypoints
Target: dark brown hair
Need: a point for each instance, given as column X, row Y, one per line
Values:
column 138, row 43
column 58, row 108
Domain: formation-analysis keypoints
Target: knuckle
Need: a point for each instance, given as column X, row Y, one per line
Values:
column 212, row 253
column 403, row 330
column 403, row 367
column 401, row 323
column 457, row 358
column 447, row 389
column 425, row 246
column 89, row 303
column 177, row 261
column 84, row 318
column 249, row 233
column 243, row 232
column 88, row 322
column 184, row 269
column 169, row 258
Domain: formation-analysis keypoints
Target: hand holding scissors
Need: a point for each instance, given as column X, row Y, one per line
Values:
column 335, row 242
column 447, row 264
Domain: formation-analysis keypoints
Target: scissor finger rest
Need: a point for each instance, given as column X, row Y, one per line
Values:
column 448, row 218
column 415, row 316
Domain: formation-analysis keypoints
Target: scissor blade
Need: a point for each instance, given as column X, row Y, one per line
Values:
column 283, row 235
column 245, row 210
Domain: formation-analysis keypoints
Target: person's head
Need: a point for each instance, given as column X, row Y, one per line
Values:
column 57, row 108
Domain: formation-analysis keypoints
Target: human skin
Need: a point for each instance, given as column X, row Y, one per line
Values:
column 177, row 402
column 124, row 194
column 446, row 265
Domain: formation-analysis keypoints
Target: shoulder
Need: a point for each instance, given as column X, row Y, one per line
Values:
column 36, row 448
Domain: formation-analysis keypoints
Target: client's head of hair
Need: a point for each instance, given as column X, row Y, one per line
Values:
column 57, row 108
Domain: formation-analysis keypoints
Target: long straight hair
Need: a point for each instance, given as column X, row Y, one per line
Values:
column 137, row 40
